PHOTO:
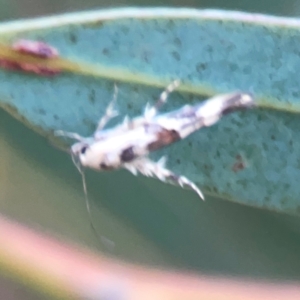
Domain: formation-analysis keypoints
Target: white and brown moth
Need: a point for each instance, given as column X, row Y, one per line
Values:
column 128, row 144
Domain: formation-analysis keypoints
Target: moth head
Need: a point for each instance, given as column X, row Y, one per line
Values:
column 78, row 152
column 79, row 148
column 92, row 155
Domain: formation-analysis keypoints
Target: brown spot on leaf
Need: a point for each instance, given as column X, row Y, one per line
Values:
column 73, row 38
column 239, row 164
column 35, row 48
column 32, row 48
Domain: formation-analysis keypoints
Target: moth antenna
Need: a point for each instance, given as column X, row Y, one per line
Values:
column 87, row 203
column 102, row 239
column 86, row 197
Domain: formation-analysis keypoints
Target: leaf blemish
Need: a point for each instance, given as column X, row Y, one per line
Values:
column 125, row 29
column 239, row 164
column 177, row 41
column 176, row 55
column 105, row 51
column 92, row 96
column 73, row 38
column 19, row 57
column 201, row 67
column 42, row 112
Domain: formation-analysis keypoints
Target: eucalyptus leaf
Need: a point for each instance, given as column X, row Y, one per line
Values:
column 248, row 157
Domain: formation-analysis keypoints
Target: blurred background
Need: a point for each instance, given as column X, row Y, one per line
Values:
column 138, row 219
column 11, row 9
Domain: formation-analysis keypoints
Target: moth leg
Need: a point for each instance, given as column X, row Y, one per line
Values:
column 126, row 122
column 131, row 168
column 71, row 135
column 157, row 169
column 151, row 111
column 183, row 181
column 110, row 112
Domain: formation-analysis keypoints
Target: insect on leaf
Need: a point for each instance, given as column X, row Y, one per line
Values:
column 249, row 157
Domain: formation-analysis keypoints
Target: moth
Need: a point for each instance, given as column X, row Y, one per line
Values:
column 127, row 145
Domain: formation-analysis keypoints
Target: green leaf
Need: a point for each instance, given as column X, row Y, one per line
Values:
column 249, row 157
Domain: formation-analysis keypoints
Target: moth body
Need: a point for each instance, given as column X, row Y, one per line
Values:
column 128, row 144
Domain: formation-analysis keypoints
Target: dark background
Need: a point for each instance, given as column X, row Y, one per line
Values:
column 11, row 9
